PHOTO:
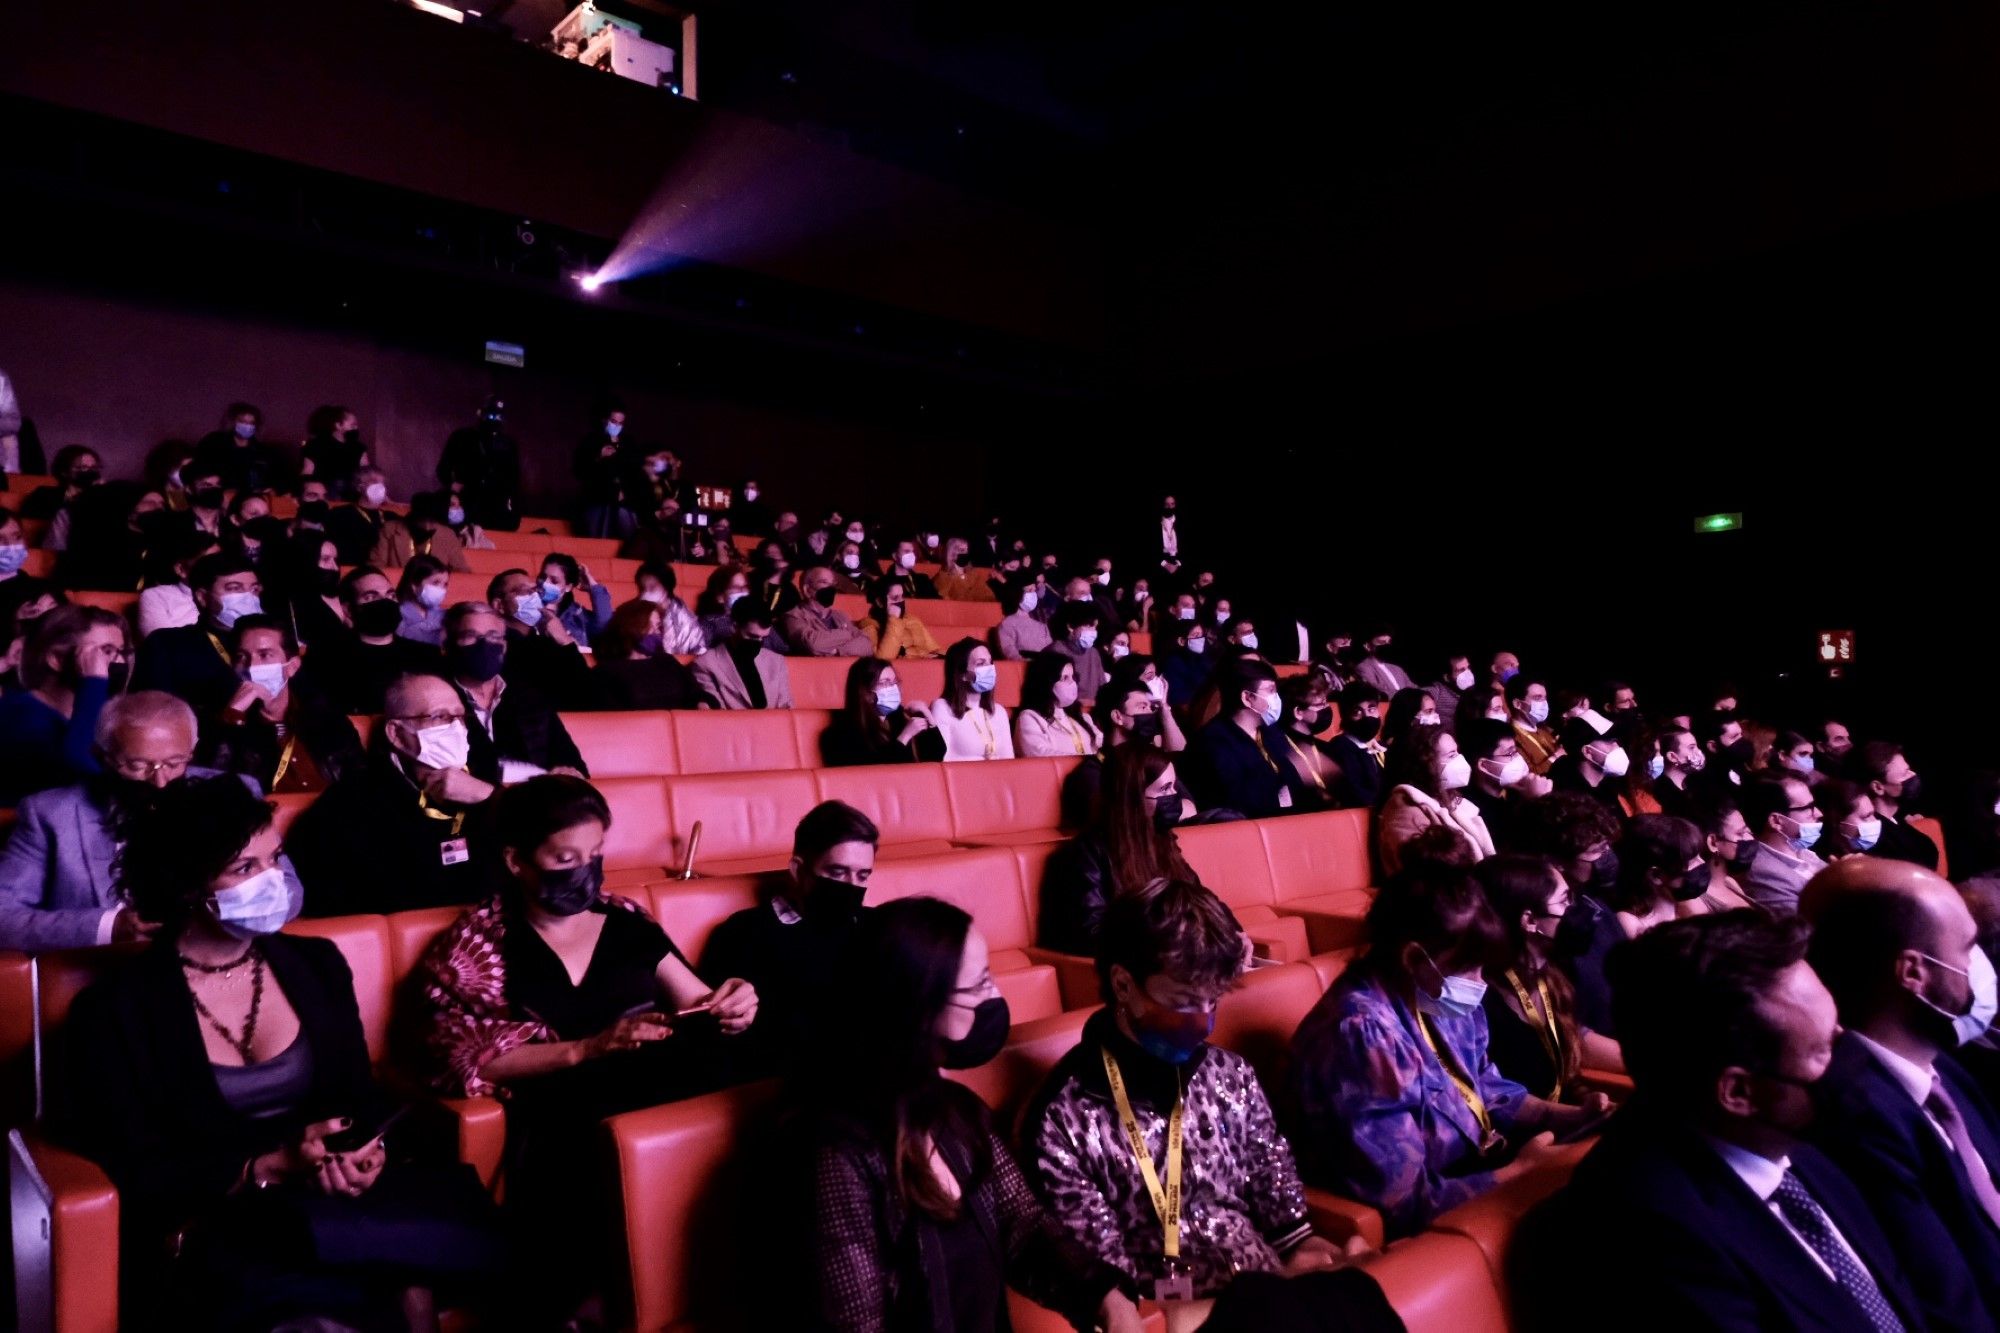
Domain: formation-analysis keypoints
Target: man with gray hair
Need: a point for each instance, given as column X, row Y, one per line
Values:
column 58, row 889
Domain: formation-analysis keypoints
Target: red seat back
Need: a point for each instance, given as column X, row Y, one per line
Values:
column 818, row 682
column 1229, row 859
column 688, row 910
column 1318, row 854
column 1011, row 1078
column 642, row 826
column 742, row 815
column 364, row 942
column 985, row 882
column 1439, row 1283
column 17, row 1038
column 907, row 801
column 1005, row 796
column 737, row 741
column 1256, row 1019
column 625, row 745
column 286, row 807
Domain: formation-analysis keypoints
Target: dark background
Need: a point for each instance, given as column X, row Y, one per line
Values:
column 1452, row 318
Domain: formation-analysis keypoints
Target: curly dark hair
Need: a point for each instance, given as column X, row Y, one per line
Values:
column 178, row 843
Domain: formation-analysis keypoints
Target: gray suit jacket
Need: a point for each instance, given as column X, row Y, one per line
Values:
column 715, row 672
column 56, row 880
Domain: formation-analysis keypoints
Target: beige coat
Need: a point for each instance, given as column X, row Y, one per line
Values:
column 1409, row 812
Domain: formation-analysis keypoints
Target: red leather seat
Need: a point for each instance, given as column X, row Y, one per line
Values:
column 625, row 745
column 690, row 909
column 17, row 1038
column 961, row 618
column 922, row 678
column 410, row 933
column 808, row 726
column 1489, row 1220
column 364, row 942
column 1439, row 1283
column 737, row 741
column 1257, row 1018
column 286, row 807
column 1230, row 860
column 639, row 847
column 986, row 883
column 65, row 1225
column 684, row 1236
column 1006, row 801
column 1329, row 966
column 747, row 819
column 818, row 682
column 1933, row 830
column 1009, row 1079
column 907, row 802
column 1320, row 870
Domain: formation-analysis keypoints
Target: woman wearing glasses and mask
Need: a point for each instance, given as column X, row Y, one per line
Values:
column 222, row 1079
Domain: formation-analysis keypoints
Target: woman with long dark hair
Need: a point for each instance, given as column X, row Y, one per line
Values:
column 1408, row 709
column 222, row 1079
column 1128, row 844
column 973, row 724
column 1427, row 778
column 635, row 668
column 1051, row 723
column 876, row 725
column 920, row 1218
column 1535, row 1038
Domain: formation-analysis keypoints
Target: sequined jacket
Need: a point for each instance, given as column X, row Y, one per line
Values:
column 1377, row 1117
column 1243, row 1208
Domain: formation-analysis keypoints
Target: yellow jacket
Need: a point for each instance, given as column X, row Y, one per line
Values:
column 963, row 585
column 906, row 637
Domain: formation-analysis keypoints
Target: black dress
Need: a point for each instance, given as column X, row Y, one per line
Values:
column 643, row 683
column 1516, row 1049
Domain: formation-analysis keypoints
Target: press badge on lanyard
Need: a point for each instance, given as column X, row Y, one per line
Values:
column 1177, row 1284
column 453, row 851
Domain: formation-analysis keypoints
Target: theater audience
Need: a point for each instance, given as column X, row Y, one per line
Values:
column 1791, row 751
column 1357, row 749
column 1132, row 708
column 562, row 578
column 1427, row 778
column 902, row 572
column 1141, row 1074
column 725, row 588
column 875, row 725
column 1452, row 688
column 1187, row 666
column 634, row 669
column 58, row 882
column 1576, row 833
column 1894, row 787
column 1729, row 750
column 1729, row 845
column 899, row 1151
column 1306, row 714
column 959, row 580
column 540, row 651
column 1851, row 825
column 1702, row 1206
column 1836, row 742
column 1230, row 764
column 1528, row 710
column 237, row 454
column 1501, row 783
column 1677, row 789
column 1020, row 633
column 789, row 945
column 741, row 671
column 1408, row 709
column 410, row 828
column 814, row 629
column 516, row 733
column 1593, row 762
column 1375, row 667
column 420, row 598
column 968, row 717
column 1398, row 1102
column 1661, row 864
column 680, row 631
column 578, row 1005
column 193, row 661
column 1533, row 1033
column 360, row 672
column 1786, row 821
column 166, row 600
column 1075, row 637
column 333, row 450
column 1900, row 954
column 1051, row 722
column 892, row 631
column 1128, row 843
column 48, row 727
column 279, row 728
column 600, row 466
column 211, row 1075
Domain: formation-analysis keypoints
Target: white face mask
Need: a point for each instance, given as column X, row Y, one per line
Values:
column 750, row 494
column 1118, row 651
column 1429, row 720
column 447, row 745
column 375, row 492
column 1029, row 601
column 1867, row 832
column 1463, row 679
column 236, row 605
column 1222, row 617
column 260, row 905
column 431, row 595
column 455, row 516
column 1087, row 637
column 1103, row 578
column 1972, row 1024
column 1065, row 693
column 657, row 596
column 1249, row 641
column 856, row 535
column 907, row 559
column 1456, row 773
column 1538, row 711
column 1185, row 613
column 1615, row 763
column 528, row 608
column 733, row 599
column 1512, row 769
column 851, row 560
column 269, row 675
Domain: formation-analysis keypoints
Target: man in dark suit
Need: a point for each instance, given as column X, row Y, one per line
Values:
column 541, row 652
column 515, row 732
column 1701, row 1207
column 1899, row 950
column 1883, row 768
column 193, row 661
column 1355, row 748
column 1233, row 763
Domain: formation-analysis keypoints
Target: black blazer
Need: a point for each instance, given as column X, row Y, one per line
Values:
column 1916, row 1184
column 1365, row 777
column 136, row 1092
column 525, row 728
column 1225, row 771
column 183, row 661
column 1900, row 842
column 1655, row 1221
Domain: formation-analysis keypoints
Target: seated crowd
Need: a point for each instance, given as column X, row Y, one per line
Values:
column 1739, row 933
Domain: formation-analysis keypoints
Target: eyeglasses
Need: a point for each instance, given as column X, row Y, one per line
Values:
column 143, row 769
column 436, row 719
column 1811, row 809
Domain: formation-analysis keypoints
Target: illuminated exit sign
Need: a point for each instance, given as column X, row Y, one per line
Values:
column 1719, row 523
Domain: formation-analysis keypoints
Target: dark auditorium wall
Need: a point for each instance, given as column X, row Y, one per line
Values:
column 121, row 375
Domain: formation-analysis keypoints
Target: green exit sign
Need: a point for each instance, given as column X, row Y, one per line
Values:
column 1719, row 523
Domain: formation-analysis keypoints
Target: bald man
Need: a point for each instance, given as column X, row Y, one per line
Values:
column 1898, row 949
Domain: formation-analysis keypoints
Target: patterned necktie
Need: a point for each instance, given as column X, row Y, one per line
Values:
column 1945, row 1111
column 1810, row 1221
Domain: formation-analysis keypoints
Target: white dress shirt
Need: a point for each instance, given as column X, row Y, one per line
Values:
column 1763, row 1176
column 1913, row 1078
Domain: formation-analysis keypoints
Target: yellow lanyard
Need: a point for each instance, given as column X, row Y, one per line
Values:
column 457, row 821
column 220, row 651
column 984, row 728
column 1312, row 769
column 1075, row 734
column 1544, row 1023
column 1166, row 1201
column 284, row 761
column 1466, row 1088
column 1257, row 738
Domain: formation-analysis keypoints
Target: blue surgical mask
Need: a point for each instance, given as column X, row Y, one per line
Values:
column 12, row 558
column 260, row 905
column 1460, row 997
column 1086, row 638
column 455, row 516
column 1972, row 1024
column 236, row 605
column 1270, row 708
column 1867, row 832
column 1802, row 764
column 551, row 593
column 985, row 678
column 1029, row 601
column 528, row 608
column 1197, row 644
column 1655, row 766
column 888, row 698
column 1808, row 833
column 245, row 429
column 612, row 429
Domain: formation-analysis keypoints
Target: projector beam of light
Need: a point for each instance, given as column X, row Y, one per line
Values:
column 590, row 282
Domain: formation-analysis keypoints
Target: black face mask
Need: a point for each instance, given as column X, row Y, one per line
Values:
column 1577, row 928
column 1745, row 853
column 420, row 532
column 834, row 899
column 86, row 478
column 328, row 582
column 1145, row 728
column 352, row 437
column 826, row 595
column 983, row 1041
column 567, row 892
column 1166, row 512
column 1316, row 721
column 1604, row 871
column 1363, row 729
column 1167, row 812
column 376, row 619
column 1906, row 804
column 125, row 797
column 313, row 513
column 153, row 526
column 208, row 497
column 117, row 676
column 1694, row 885
column 1738, row 755
column 477, row 662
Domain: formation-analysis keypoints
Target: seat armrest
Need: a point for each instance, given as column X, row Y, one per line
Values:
column 1076, row 977
column 1615, row 1086
column 1340, row 1220
column 482, row 1133
column 65, row 1224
